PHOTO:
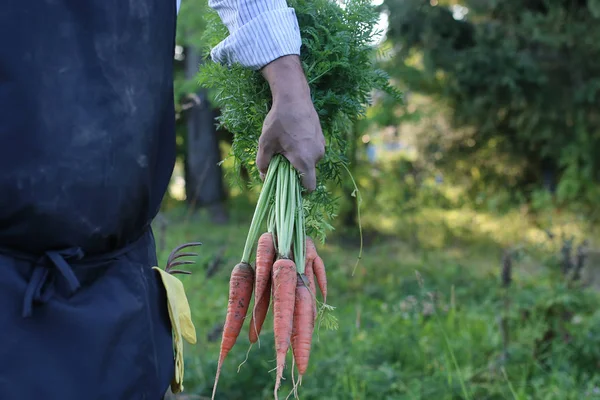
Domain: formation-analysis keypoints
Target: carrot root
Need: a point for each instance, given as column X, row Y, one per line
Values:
column 241, row 284
column 311, row 249
column 292, row 392
column 284, row 292
column 246, row 359
column 259, row 314
column 320, row 274
column 310, row 277
column 303, row 327
column 265, row 257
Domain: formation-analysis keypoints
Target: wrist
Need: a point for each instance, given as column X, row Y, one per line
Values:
column 286, row 79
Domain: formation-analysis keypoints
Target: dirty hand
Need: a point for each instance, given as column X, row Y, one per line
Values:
column 292, row 126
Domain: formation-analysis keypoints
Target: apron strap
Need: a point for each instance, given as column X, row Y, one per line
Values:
column 39, row 288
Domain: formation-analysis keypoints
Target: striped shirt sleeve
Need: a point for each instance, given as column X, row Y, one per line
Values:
column 260, row 31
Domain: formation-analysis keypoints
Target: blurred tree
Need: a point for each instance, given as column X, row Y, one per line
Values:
column 522, row 81
column 198, row 136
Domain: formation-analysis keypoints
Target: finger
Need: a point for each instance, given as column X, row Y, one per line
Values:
column 263, row 157
column 306, row 170
column 322, row 138
column 309, row 179
column 321, row 152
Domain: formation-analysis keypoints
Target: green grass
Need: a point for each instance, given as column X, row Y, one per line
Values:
column 414, row 322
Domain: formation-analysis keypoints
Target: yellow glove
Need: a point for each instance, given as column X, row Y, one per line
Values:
column 181, row 322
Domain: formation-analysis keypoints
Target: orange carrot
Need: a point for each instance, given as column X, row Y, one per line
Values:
column 304, row 324
column 284, row 292
column 319, row 270
column 260, row 313
column 265, row 256
column 241, row 284
column 311, row 255
column 311, row 250
column 310, row 277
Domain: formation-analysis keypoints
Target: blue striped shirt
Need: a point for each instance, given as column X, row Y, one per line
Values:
column 260, row 31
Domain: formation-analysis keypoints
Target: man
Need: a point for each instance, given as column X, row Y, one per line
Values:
column 87, row 149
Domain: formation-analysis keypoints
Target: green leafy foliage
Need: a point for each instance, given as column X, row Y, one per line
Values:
column 400, row 335
column 521, row 80
column 338, row 58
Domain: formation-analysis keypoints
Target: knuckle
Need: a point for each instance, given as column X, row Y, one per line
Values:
column 263, row 139
column 321, row 152
column 261, row 161
column 300, row 164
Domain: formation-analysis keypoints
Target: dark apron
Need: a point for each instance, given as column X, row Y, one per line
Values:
column 87, row 147
column 95, row 328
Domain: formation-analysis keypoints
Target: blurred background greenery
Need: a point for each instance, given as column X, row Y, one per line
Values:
column 481, row 265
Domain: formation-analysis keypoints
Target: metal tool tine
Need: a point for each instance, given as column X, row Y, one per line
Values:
column 181, row 247
column 178, row 271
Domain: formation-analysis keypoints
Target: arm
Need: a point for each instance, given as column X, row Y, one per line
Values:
column 264, row 35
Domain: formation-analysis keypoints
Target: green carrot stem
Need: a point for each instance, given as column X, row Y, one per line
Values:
column 285, row 208
column 279, row 212
column 271, row 220
column 291, row 206
column 261, row 209
column 300, row 238
column 284, row 228
column 271, row 224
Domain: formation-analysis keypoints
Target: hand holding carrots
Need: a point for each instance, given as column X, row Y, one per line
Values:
column 287, row 264
column 294, row 304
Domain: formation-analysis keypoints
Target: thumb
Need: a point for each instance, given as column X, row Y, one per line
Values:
column 307, row 171
column 263, row 158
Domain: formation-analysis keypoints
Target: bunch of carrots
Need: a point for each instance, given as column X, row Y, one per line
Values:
column 286, row 266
